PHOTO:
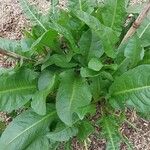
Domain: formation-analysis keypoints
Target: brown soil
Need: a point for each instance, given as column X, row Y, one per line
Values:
column 12, row 22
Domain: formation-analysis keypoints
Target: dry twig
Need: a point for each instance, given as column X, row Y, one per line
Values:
column 137, row 22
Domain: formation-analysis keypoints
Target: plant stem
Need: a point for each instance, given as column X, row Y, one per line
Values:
column 126, row 141
column 132, row 125
column 85, row 145
column 137, row 23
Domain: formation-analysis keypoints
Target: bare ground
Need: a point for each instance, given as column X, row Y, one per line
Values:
column 12, row 23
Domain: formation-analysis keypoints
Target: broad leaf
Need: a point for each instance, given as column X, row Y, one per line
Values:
column 85, row 5
column 58, row 60
column 10, row 45
column 72, row 94
column 86, row 72
column 47, row 39
column 110, row 131
column 25, row 129
column 95, row 64
column 82, row 111
column 146, row 59
column 134, row 51
column 32, row 13
column 133, row 88
column 102, row 31
column 46, row 80
column 40, row 143
column 90, row 45
column 144, row 32
column 16, row 89
column 62, row 133
column 85, row 129
column 26, row 44
column 46, row 84
column 66, row 33
column 113, row 14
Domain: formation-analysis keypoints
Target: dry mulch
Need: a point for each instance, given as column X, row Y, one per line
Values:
column 12, row 22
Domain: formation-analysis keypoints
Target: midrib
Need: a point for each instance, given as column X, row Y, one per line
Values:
column 113, row 19
column 17, row 89
column 131, row 90
column 31, row 127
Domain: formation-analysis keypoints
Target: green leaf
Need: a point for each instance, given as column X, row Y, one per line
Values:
column 46, row 84
column 146, row 59
column 85, row 5
column 144, row 32
column 62, row 133
column 39, row 102
column 46, row 80
column 46, row 39
column 16, row 89
column 86, row 72
column 113, row 14
column 95, row 64
column 85, row 129
column 133, row 88
column 66, row 33
column 136, row 8
column 82, row 111
column 134, row 51
column 90, row 45
column 40, row 143
column 26, row 44
column 72, row 94
column 32, row 13
column 110, row 131
column 102, row 31
column 2, row 127
column 25, row 129
column 60, row 61
column 10, row 45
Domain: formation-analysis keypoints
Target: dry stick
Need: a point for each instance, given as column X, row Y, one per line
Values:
column 137, row 23
column 13, row 55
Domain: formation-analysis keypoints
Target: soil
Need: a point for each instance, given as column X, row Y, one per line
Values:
column 12, row 23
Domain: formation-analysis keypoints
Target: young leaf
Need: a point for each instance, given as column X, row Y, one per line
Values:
column 65, row 32
column 95, row 64
column 85, row 5
column 146, row 59
column 134, row 87
column 72, row 94
column 85, row 129
column 113, row 14
column 86, row 72
column 47, row 39
column 134, row 51
column 32, row 13
column 46, row 84
column 82, row 111
column 58, row 60
column 62, row 133
column 39, row 102
column 46, row 80
column 144, row 32
column 16, row 89
column 110, row 131
column 90, row 45
column 40, row 143
column 102, row 31
column 25, row 129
